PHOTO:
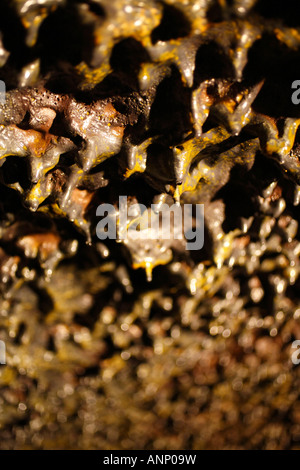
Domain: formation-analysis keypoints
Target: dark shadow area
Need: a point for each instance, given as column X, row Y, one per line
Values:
column 212, row 62
column 172, row 26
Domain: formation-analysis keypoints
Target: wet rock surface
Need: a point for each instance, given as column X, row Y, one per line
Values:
column 162, row 102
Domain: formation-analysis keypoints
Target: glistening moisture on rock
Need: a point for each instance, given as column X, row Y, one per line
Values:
column 127, row 343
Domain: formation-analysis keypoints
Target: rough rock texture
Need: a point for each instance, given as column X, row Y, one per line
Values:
column 186, row 101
